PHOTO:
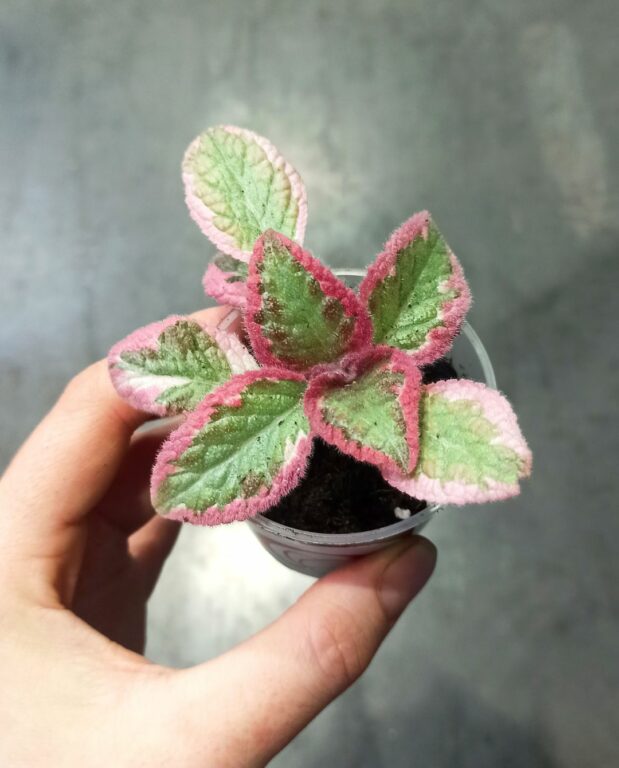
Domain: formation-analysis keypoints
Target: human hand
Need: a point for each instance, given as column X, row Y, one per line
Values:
column 80, row 552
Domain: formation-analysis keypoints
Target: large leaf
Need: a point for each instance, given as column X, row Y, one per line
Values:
column 168, row 367
column 237, row 186
column 225, row 280
column 470, row 446
column 298, row 313
column 416, row 292
column 369, row 408
column 244, row 447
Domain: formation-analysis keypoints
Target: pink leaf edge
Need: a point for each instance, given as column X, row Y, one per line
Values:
column 203, row 215
column 352, row 366
column 216, row 285
column 452, row 313
column 143, row 398
column 229, row 394
column 330, row 286
column 497, row 410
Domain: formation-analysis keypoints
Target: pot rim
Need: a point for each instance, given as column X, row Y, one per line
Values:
column 298, row 536
column 287, row 533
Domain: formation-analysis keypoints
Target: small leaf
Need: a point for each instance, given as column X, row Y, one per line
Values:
column 298, row 313
column 168, row 367
column 237, row 186
column 470, row 446
column 416, row 292
column 244, row 447
column 369, row 409
column 225, row 280
column 237, row 270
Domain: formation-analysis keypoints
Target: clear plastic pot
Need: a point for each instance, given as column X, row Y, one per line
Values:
column 318, row 553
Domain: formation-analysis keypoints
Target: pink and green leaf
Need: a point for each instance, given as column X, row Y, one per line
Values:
column 237, row 186
column 471, row 448
column 168, row 367
column 416, row 292
column 244, row 447
column 225, row 280
column 299, row 314
column 369, row 408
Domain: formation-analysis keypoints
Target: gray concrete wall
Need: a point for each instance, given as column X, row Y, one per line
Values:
column 501, row 118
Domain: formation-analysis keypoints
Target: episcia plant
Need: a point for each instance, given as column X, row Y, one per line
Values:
column 325, row 362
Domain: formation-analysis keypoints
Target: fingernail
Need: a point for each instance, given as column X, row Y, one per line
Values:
column 227, row 321
column 405, row 576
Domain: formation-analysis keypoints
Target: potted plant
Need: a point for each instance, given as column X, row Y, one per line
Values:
column 336, row 423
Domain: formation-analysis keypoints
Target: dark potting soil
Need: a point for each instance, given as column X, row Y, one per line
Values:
column 342, row 495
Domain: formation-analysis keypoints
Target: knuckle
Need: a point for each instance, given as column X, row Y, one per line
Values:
column 79, row 386
column 338, row 647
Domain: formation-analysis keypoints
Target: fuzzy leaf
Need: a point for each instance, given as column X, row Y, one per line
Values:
column 168, row 367
column 225, row 280
column 416, row 292
column 298, row 313
column 470, row 446
column 237, row 186
column 244, row 447
column 369, row 408
column 237, row 269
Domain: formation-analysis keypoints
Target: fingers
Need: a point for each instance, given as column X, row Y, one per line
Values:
column 64, row 468
column 225, row 318
column 270, row 687
column 126, row 504
column 61, row 472
column 150, row 547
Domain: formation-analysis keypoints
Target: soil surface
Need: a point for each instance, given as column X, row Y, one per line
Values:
column 342, row 495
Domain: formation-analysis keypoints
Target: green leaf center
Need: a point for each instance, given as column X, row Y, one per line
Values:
column 304, row 326
column 240, row 449
column 188, row 358
column 457, row 444
column 406, row 306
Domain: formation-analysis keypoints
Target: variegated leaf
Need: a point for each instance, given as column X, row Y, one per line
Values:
column 237, row 186
column 369, row 408
column 470, row 446
column 416, row 292
column 225, row 280
column 298, row 313
column 242, row 449
column 168, row 367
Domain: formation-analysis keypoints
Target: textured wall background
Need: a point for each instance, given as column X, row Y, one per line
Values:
column 501, row 118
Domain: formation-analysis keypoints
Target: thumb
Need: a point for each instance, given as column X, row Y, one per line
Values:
column 267, row 689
